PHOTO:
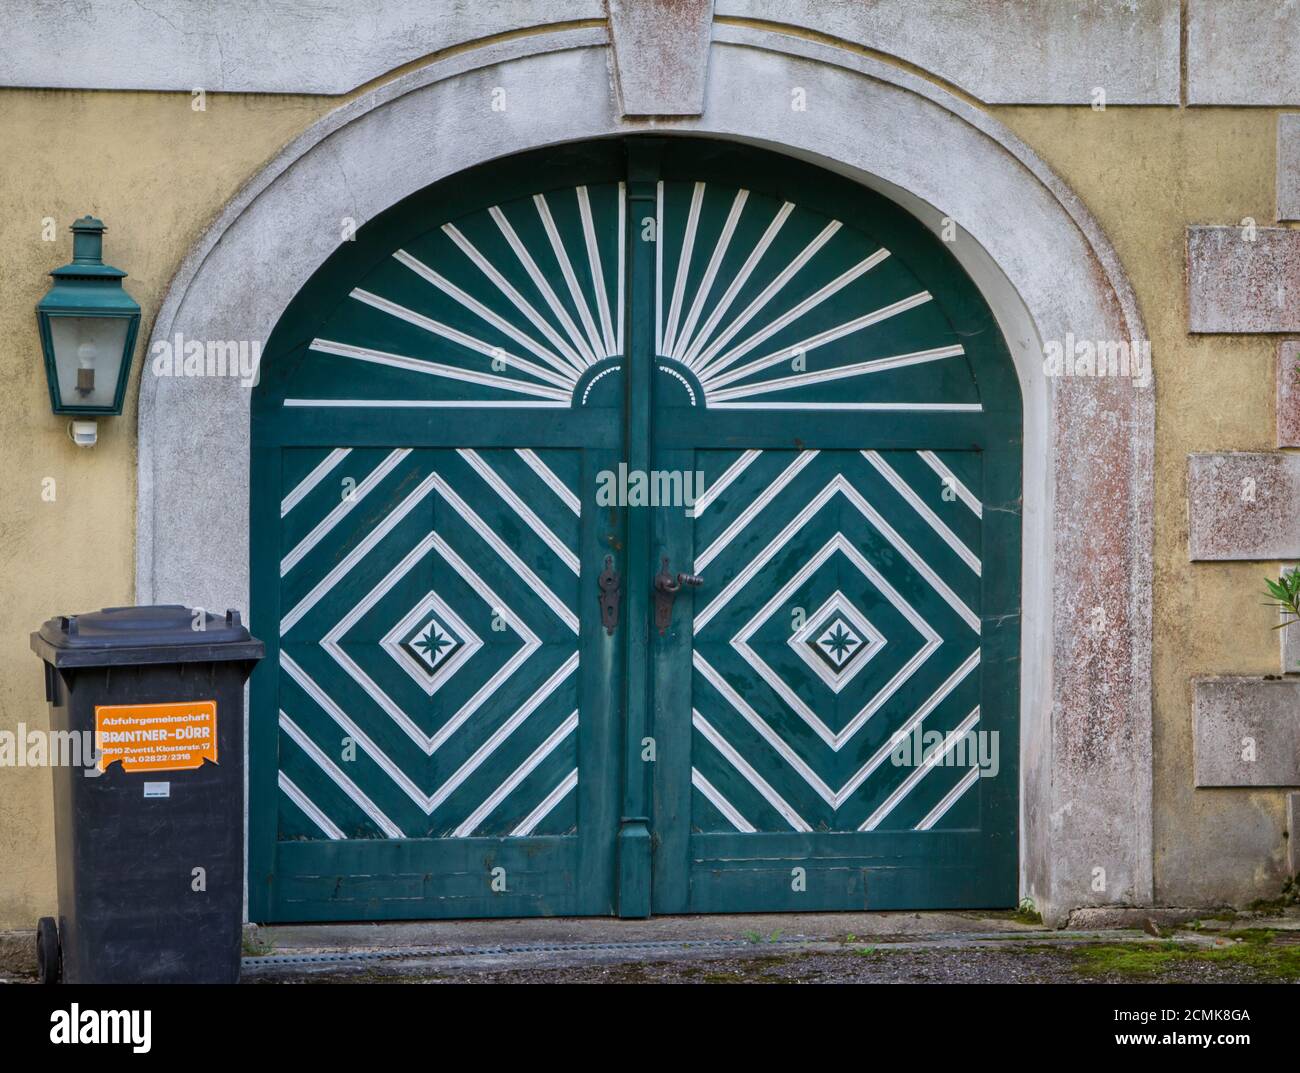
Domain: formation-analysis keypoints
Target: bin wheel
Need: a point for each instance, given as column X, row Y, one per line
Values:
column 49, row 960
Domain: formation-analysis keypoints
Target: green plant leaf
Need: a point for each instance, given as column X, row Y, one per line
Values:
column 1286, row 596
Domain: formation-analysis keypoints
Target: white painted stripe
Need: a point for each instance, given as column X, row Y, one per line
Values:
column 951, row 479
column 501, row 324
column 914, row 720
column 841, row 485
column 724, row 481
column 331, row 770
column 659, row 267
column 345, row 505
column 715, row 798
column 752, row 511
column 742, row 277
column 511, row 292
column 683, row 267
column 503, row 732
column 837, row 543
column 766, row 295
column 775, row 741
column 570, row 277
column 425, row 801
column 363, row 740
column 331, row 642
column 502, row 674
column 565, row 378
column 710, row 273
column 540, row 282
column 919, row 505
column 807, row 306
column 324, row 824
column 494, row 799
column 304, row 487
column 525, row 512
column 534, row 583
column 783, row 749
column 423, row 404
column 949, row 799
column 839, row 331
column 548, row 803
column 597, row 272
column 821, row 376
column 355, row 555
column 909, row 553
column 750, row 775
column 552, row 481
column 891, row 802
column 434, row 368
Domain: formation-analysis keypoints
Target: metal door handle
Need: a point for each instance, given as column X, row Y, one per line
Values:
column 667, row 586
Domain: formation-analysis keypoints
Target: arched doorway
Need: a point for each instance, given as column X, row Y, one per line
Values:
column 449, row 725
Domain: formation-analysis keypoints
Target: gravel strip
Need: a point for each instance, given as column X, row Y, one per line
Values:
column 1003, row 964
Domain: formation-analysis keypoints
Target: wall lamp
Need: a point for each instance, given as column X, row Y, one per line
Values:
column 88, row 325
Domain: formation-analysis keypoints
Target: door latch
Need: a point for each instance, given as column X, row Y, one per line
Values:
column 610, row 585
column 667, row 587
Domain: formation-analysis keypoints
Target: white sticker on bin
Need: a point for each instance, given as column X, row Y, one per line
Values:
column 157, row 789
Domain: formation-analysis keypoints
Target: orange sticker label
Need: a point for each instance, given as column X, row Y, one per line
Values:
column 156, row 737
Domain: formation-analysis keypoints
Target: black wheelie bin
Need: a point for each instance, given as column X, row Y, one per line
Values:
column 147, row 706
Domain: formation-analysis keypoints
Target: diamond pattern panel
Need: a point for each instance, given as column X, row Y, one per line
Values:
column 430, row 645
column 847, row 617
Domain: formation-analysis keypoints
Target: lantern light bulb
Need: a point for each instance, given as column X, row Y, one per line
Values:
column 86, row 368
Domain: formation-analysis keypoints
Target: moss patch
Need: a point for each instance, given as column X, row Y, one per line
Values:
column 1024, row 913
column 253, row 945
column 1253, row 950
column 1290, row 896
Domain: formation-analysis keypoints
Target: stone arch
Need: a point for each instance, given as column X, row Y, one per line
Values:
column 1042, row 262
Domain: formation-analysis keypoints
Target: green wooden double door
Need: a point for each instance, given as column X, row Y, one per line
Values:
column 496, row 416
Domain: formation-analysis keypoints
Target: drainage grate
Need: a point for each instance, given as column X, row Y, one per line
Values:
column 526, row 948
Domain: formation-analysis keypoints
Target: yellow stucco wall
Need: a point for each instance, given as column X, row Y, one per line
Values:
column 157, row 172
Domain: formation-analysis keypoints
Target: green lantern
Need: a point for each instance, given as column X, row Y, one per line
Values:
column 88, row 325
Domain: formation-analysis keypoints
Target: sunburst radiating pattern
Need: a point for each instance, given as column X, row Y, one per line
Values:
column 771, row 306
column 506, row 307
column 762, row 304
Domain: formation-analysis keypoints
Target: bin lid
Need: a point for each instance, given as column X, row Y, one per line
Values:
column 162, row 633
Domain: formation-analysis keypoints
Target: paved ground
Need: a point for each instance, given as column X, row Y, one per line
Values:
column 1015, row 965
column 804, row 948
column 784, row 948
